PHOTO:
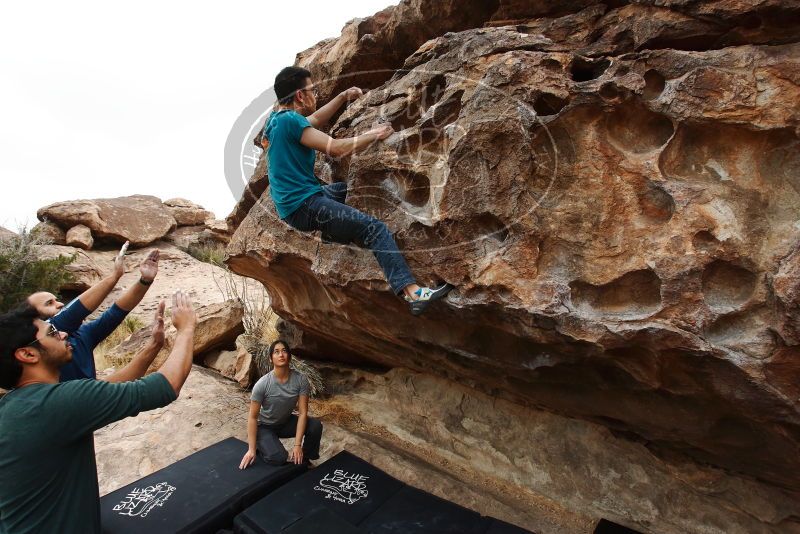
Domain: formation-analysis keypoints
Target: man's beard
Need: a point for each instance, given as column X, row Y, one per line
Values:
column 56, row 359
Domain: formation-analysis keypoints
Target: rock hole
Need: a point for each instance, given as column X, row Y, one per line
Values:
column 448, row 111
column 751, row 22
column 727, row 286
column 433, row 91
column 614, row 4
column 609, row 91
column 409, row 186
column 444, row 113
column 704, row 241
column 634, row 128
column 488, row 226
column 552, row 65
column 609, row 527
column 548, row 104
column 421, row 148
column 656, row 204
column 622, row 71
column 693, row 42
column 636, row 294
column 582, row 69
column 406, row 117
column 653, row 84
column 744, row 332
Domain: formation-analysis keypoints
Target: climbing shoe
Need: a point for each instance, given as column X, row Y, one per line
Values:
column 426, row 295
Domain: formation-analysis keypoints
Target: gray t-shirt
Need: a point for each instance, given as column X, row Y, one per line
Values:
column 278, row 400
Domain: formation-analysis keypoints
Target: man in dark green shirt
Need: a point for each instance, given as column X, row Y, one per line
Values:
column 48, row 474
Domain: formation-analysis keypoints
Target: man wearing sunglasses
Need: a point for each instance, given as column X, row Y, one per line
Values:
column 292, row 139
column 48, row 474
column 84, row 337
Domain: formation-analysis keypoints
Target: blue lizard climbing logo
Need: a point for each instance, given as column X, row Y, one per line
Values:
column 344, row 487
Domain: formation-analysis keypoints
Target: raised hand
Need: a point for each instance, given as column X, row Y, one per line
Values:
column 183, row 315
column 149, row 267
column 157, row 334
column 352, row 93
column 119, row 261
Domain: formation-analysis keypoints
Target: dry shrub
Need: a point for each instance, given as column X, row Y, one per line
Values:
column 259, row 326
column 104, row 355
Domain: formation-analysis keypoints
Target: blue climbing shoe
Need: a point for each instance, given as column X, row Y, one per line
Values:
column 426, row 295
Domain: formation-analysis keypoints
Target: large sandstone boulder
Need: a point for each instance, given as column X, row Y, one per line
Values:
column 86, row 269
column 617, row 206
column 186, row 212
column 375, row 46
column 140, row 219
column 237, row 364
column 205, row 283
column 550, row 473
column 253, row 191
column 214, row 233
column 50, row 232
column 80, row 236
column 218, row 325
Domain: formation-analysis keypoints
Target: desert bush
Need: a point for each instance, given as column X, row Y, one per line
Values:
column 212, row 253
column 104, row 353
column 24, row 273
column 259, row 322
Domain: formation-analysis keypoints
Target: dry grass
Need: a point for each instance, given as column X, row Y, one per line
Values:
column 104, row 354
column 212, row 253
column 260, row 327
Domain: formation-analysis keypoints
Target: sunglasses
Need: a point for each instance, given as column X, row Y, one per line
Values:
column 52, row 331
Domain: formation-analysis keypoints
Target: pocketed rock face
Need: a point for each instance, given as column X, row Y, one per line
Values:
column 617, row 207
column 375, row 46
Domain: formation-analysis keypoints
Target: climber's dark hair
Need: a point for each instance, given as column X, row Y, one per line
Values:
column 282, row 342
column 288, row 81
column 16, row 331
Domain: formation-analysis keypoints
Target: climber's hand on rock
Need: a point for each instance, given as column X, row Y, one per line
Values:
column 382, row 131
column 248, row 459
column 352, row 93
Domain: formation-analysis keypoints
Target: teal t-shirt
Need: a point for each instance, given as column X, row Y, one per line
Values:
column 48, row 474
column 291, row 165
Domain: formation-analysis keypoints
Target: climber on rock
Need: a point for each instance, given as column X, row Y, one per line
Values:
column 293, row 139
column 84, row 337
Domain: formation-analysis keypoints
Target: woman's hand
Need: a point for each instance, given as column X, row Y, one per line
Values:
column 296, row 456
column 248, row 459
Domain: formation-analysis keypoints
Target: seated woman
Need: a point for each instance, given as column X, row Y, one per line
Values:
column 273, row 400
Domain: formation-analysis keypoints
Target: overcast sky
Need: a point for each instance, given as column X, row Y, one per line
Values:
column 105, row 99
